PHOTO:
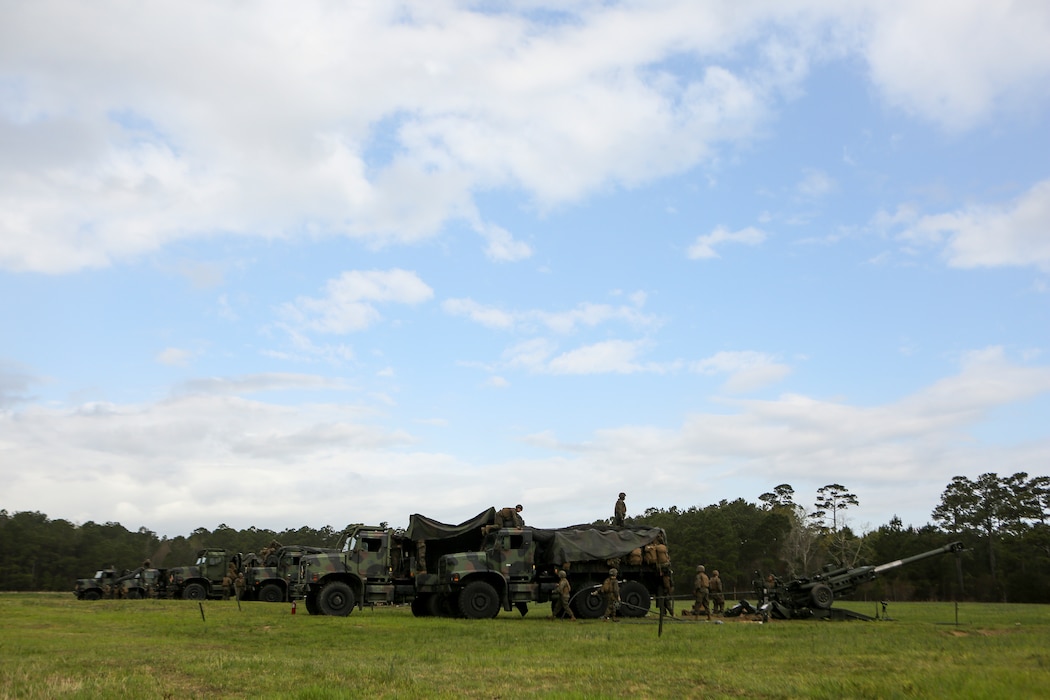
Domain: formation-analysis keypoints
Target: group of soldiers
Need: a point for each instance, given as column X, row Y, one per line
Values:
column 707, row 590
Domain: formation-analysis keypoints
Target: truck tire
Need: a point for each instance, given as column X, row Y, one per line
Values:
column 436, row 606
column 311, row 604
column 821, row 596
column 337, row 599
column 90, row 595
column 421, row 605
column 194, row 591
column 271, row 593
column 634, row 599
column 134, row 594
column 589, row 607
column 478, row 601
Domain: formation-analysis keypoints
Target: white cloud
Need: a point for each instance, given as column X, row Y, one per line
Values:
column 1017, row 234
column 205, row 458
column 704, row 246
column 747, row 370
column 960, row 62
column 584, row 315
column 815, row 184
column 350, row 299
column 175, row 357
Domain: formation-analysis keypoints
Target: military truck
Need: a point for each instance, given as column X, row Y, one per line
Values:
column 379, row 564
column 203, row 579
column 275, row 578
column 472, row 569
column 518, row 566
column 108, row 583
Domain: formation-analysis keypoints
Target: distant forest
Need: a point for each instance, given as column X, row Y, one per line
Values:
column 1001, row 520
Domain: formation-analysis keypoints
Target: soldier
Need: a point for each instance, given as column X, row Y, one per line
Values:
column 509, row 517
column 717, row 596
column 702, row 590
column 667, row 590
column 238, row 586
column 620, row 510
column 610, row 590
column 560, row 599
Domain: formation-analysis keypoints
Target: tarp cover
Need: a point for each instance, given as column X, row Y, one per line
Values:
column 588, row 542
column 421, row 527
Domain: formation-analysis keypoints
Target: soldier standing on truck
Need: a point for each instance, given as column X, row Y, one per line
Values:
column 560, row 601
column 620, row 510
column 610, row 590
column 702, row 591
column 509, row 517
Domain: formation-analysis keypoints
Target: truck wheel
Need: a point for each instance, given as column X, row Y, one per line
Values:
column 311, row 604
column 421, row 605
column 134, row 594
column 436, row 606
column 589, row 607
column 478, row 601
column 821, row 596
column 271, row 593
column 336, row 598
column 90, row 595
column 194, row 591
column 634, row 599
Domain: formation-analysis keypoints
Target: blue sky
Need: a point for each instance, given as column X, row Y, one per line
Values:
column 321, row 264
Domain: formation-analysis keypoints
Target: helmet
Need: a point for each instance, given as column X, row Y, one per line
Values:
column 715, row 572
column 700, row 568
column 612, row 572
column 517, row 507
column 623, row 495
column 561, row 573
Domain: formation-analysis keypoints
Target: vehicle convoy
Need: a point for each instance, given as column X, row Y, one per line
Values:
column 812, row 597
column 473, row 570
column 203, row 579
column 109, row 583
column 274, row 580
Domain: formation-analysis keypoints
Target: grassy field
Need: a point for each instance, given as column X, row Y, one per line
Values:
column 53, row 646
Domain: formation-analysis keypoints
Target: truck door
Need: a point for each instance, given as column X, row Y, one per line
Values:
column 516, row 554
column 372, row 555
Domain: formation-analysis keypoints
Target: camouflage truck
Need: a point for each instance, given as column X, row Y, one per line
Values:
column 109, row 583
column 518, row 566
column 276, row 577
column 378, row 564
column 472, row 569
column 204, row 579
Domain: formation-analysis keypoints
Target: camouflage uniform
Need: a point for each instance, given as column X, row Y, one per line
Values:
column 620, row 511
column 667, row 590
column 702, row 590
column 560, row 600
column 717, row 596
column 509, row 517
column 610, row 590
column 238, row 585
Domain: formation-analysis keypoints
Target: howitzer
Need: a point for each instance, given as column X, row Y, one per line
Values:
column 812, row 596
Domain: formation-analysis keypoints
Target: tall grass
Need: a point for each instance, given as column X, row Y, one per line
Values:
column 53, row 646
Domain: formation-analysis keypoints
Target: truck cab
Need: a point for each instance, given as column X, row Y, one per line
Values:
column 204, row 578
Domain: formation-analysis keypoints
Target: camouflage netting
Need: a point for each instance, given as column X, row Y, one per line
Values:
column 588, row 542
column 421, row 527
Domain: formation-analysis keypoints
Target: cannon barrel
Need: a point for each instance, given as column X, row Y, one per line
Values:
column 952, row 547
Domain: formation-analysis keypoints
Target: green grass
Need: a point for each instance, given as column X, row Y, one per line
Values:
column 53, row 646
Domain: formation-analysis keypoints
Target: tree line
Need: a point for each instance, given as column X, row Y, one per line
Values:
column 1001, row 520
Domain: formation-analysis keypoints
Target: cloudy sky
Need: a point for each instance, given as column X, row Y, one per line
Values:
column 284, row 264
